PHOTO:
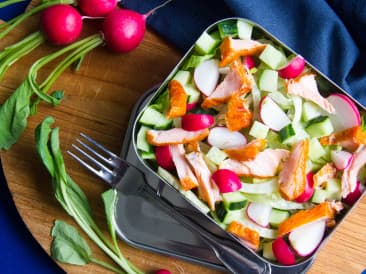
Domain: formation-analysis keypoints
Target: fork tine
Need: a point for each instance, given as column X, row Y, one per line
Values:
column 104, row 172
column 94, row 152
column 95, row 143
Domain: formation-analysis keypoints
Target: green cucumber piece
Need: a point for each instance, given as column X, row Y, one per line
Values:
column 286, row 132
column 244, row 29
column 227, row 28
column 259, row 130
column 148, row 155
column 273, row 57
column 234, row 200
column 152, row 117
column 225, row 215
column 267, row 251
column 268, row 80
column 278, row 216
column 206, row 44
column 319, row 196
column 316, row 150
column 183, row 77
column 310, row 110
column 319, row 126
column 216, row 155
column 141, row 142
column 194, row 60
column 192, row 92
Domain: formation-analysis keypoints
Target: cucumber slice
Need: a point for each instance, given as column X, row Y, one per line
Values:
column 183, row 77
column 310, row 111
column 228, row 28
column 272, row 57
column 225, row 215
column 234, row 200
column 194, row 60
column 267, row 251
column 278, row 216
column 319, row 196
column 259, row 130
column 286, row 132
column 192, row 92
column 216, row 155
column 316, row 150
column 244, row 29
column 148, row 155
column 319, row 126
column 268, row 80
column 206, row 43
column 141, row 142
column 152, row 117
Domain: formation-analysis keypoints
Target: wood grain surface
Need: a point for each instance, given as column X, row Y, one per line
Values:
column 99, row 98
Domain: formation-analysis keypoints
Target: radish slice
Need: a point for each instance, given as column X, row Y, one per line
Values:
column 223, row 138
column 307, row 238
column 206, row 75
column 226, row 180
column 309, row 189
column 259, row 213
column 282, row 252
column 272, row 115
column 346, row 112
column 164, row 157
column 341, row 158
column 195, row 121
column 191, row 106
column 293, row 68
column 249, row 62
column 353, row 196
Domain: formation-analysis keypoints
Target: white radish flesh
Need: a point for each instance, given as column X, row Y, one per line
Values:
column 206, row 76
column 223, row 138
column 272, row 115
column 341, row 158
column 259, row 213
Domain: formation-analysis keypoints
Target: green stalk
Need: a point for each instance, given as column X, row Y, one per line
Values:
column 16, row 51
column 10, row 25
column 9, row 2
column 106, row 265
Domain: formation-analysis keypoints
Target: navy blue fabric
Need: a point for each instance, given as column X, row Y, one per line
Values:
column 329, row 34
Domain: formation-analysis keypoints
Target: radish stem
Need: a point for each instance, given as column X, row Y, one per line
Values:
column 150, row 12
column 9, row 2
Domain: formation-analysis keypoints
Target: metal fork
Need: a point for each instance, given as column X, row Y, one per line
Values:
column 123, row 176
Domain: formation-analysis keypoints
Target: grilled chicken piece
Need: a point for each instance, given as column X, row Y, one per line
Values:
column 175, row 136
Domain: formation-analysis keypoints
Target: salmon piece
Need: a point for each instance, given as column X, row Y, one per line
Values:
column 238, row 114
column 236, row 80
column 231, row 49
column 207, row 189
column 177, row 100
column 306, row 87
column 325, row 210
column 248, row 235
column 264, row 165
column 292, row 178
column 175, row 136
column 185, row 174
column 328, row 171
column 349, row 138
column 247, row 152
column 349, row 176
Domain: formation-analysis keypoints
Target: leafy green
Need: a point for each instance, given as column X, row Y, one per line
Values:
column 74, row 201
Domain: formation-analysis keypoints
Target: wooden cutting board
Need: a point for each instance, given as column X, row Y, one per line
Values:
column 99, row 98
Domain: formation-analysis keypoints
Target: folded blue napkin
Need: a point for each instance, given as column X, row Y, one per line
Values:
column 329, row 34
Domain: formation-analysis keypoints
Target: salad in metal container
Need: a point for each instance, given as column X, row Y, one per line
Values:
column 258, row 139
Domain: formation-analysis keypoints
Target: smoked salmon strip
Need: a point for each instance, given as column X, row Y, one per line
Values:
column 292, row 178
column 247, row 152
column 238, row 114
column 264, row 165
column 175, row 136
column 326, row 172
column 349, row 138
column 231, row 49
column 236, row 80
column 177, row 100
column 248, row 235
column 185, row 174
column 349, row 176
column 207, row 189
column 306, row 87
column 325, row 210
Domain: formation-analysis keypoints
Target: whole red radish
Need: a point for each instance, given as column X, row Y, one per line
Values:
column 293, row 69
column 124, row 29
column 282, row 252
column 96, row 8
column 195, row 121
column 226, row 180
column 61, row 24
column 162, row 271
column 164, row 157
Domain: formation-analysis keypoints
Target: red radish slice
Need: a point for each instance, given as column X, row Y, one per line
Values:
column 346, row 112
column 259, row 213
column 272, row 115
column 226, row 180
column 309, row 189
column 249, row 62
column 164, row 157
column 307, row 238
column 193, row 121
column 282, row 252
column 191, row 106
column 293, row 68
column 223, row 138
column 353, row 196
column 206, row 76
column 341, row 158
